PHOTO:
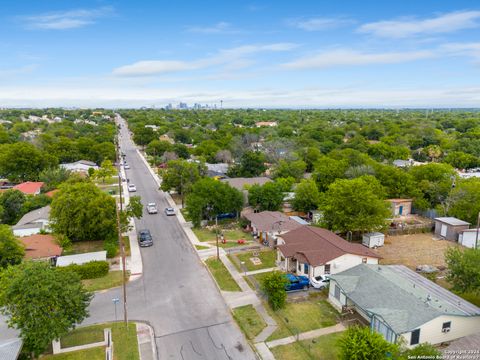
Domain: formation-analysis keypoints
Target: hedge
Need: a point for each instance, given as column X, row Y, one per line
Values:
column 90, row 270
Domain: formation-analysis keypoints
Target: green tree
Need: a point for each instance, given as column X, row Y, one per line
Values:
column 11, row 250
column 463, row 201
column 463, row 269
column 294, row 169
column 307, row 196
column 22, row 161
column 355, row 205
column 157, row 147
column 103, row 151
column 265, row 197
column 285, row 184
column 42, row 303
column 53, row 177
column 106, row 170
column 435, row 181
column 35, row 202
column 208, row 198
column 327, row 170
column 310, row 155
column 81, row 211
column 252, row 163
column 12, row 202
column 134, row 209
column 143, row 135
column 461, row 160
column 274, row 287
column 361, row 343
column 180, row 175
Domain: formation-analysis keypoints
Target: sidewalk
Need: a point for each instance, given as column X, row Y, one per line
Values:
column 134, row 262
column 307, row 335
column 146, row 342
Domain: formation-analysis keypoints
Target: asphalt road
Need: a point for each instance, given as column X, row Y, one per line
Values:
column 175, row 295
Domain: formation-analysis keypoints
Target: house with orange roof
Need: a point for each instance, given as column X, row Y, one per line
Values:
column 39, row 246
column 30, row 187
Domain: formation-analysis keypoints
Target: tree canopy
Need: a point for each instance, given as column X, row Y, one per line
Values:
column 355, row 205
column 265, row 197
column 42, row 302
column 81, row 211
column 11, row 250
column 307, row 196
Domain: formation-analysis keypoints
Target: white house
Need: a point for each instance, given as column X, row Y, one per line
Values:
column 33, row 222
column 399, row 303
column 80, row 166
column 468, row 238
column 313, row 251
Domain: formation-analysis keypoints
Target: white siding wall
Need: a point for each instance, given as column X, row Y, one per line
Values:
column 333, row 300
column 26, row 232
column 468, row 238
column 431, row 331
column 348, row 261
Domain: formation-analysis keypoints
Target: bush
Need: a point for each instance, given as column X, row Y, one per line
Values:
column 90, row 270
column 111, row 248
column 274, row 287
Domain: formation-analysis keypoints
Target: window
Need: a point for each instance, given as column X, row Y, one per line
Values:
column 382, row 328
column 337, row 292
column 415, row 339
column 446, row 325
column 327, row 269
column 364, row 260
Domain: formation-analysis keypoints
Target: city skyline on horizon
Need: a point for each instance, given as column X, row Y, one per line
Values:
column 266, row 54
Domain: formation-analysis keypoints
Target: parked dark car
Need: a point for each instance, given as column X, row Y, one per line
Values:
column 226, row 216
column 145, row 238
column 296, row 282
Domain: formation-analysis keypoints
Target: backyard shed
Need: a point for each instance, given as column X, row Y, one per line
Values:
column 469, row 237
column 373, row 240
column 449, row 227
column 401, row 207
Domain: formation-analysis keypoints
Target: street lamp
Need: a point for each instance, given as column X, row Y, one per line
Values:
column 115, row 302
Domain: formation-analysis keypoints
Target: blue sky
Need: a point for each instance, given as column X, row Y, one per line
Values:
column 301, row 53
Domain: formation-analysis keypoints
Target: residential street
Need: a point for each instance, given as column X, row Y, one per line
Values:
column 176, row 295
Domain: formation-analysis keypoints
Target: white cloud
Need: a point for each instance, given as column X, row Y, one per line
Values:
column 406, row 27
column 61, row 20
column 462, row 49
column 221, row 27
column 319, row 23
column 27, row 69
column 347, row 57
column 234, row 57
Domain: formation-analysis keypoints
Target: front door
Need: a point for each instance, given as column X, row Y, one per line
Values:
column 305, row 269
column 400, row 210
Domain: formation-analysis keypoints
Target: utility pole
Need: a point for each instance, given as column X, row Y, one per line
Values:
column 120, row 237
column 216, row 235
column 476, row 235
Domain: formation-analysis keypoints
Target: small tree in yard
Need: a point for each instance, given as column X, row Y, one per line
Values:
column 360, row 343
column 426, row 350
column 274, row 287
column 307, row 196
column 463, row 269
column 11, row 250
column 106, row 170
column 134, row 209
column 42, row 302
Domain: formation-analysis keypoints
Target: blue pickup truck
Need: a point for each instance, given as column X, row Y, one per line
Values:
column 296, row 282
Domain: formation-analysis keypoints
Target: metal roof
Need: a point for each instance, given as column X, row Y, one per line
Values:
column 34, row 215
column 404, row 299
column 10, row 349
column 451, row 221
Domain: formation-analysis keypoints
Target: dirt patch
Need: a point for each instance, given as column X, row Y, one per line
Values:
column 413, row 250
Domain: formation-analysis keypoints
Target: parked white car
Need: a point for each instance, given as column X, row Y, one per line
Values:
column 126, row 166
column 320, row 281
column 152, row 208
column 132, row 188
column 169, row 211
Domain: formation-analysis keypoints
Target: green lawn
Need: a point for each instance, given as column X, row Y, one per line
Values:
column 83, row 336
column 268, row 259
column 221, row 275
column 201, row 247
column 124, row 340
column 230, row 235
column 323, row 347
column 112, row 279
column 81, row 247
column 258, row 277
column 303, row 316
column 249, row 320
column 97, row 353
